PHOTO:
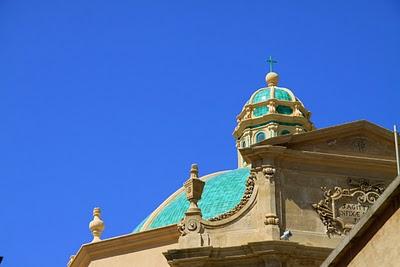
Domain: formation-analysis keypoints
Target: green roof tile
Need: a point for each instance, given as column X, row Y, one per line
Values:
column 222, row 192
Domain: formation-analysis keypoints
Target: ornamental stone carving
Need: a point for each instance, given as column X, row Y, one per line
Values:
column 272, row 107
column 297, row 111
column 342, row 208
column 271, row 219
column 359, row 144
column 248, row 112
column 273, row 129
column 192, row 229
column 298, row 130
column 269, row 173
column 96, row 226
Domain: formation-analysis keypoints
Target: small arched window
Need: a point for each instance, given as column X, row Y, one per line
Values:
column 244, row 144
column 260, row 136
column 285, row 132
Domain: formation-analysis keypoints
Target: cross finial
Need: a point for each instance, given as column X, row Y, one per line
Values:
column 271, row 63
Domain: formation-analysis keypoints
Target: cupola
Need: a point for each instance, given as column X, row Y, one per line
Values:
column 271, row 111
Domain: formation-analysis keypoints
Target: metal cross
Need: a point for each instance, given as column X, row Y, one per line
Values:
column 271, row 63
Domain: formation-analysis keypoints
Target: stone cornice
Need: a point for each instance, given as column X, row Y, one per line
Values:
column 271, row 117
column 248, row 253
column 334, row 131
column 261, row 152
column 125, row 244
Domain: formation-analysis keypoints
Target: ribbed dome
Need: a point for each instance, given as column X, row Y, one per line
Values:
column 270, row 111
column 222, row 192
column 267, row 93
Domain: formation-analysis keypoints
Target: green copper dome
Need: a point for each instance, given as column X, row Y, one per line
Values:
column 222, row 192
column 282, row 94
column 265, row 94
column 261, row 95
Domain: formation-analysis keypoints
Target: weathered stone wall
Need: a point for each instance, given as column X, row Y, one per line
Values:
column 301, row 187
column 146, row 257
column 384, row 247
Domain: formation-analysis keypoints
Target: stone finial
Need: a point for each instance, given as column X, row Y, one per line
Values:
column 194, row 189
column 272, row 78
column 194, row 171
column 193, row 233
column 96, row 226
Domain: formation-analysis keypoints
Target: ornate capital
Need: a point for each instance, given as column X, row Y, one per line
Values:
column 273, row 127
column 269, row 173
column 271, row 219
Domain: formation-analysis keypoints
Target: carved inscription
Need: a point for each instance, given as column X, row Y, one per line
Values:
column 351, row 212
column 342, row 208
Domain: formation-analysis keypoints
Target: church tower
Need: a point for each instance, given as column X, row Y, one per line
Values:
column 271, row 111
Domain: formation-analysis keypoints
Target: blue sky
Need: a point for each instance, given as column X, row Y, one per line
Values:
column 107, row 103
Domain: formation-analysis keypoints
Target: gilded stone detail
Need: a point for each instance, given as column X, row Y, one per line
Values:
column 341, row 208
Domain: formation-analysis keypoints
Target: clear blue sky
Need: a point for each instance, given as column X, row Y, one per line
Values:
column 107, row 103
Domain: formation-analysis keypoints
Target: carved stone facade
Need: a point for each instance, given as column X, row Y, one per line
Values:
column 342, row 208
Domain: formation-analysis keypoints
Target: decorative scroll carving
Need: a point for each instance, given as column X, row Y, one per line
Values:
column 341, row 208
column 246, row 196
column 190, row 225
column 249, row 110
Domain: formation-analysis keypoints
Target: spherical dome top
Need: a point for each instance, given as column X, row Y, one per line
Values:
column 272, row 78
column 222, row 192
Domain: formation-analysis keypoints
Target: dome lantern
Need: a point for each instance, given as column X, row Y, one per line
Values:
column 271, row 111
